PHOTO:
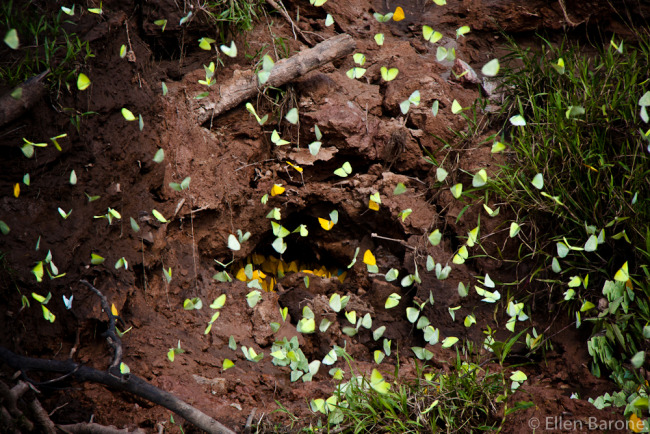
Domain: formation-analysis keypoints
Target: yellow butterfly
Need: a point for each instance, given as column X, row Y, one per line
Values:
column 326, row 224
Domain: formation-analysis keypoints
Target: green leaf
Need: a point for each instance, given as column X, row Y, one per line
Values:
column 122, row 51
column 95, row 259
column 4, row 228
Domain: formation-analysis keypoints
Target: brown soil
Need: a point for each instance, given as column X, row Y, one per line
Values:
column 232, row 165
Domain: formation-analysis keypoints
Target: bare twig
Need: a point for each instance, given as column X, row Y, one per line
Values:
column 402, row 242
column 249, row 421
column 286, row 16
column 566, row 16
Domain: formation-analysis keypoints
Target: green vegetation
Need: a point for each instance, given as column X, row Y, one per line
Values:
column 579, row 168
column 240, row 14
column 45, row 43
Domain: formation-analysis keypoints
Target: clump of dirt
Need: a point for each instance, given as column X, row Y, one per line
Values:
column 233, row 166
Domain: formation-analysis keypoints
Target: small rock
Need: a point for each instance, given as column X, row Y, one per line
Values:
column 217, row 385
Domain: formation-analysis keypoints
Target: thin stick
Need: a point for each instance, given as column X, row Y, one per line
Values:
column 286, row 16
column 402, row 242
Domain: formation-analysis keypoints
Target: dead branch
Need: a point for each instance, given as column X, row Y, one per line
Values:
column 244, row 85
column 33, row 90
column 10, row 415
column 41, row 416
column 93, row 428
column 130, row 383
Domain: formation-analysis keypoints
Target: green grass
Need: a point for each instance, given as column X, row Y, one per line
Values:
column 44, row 45
column 595, row 162
column 234, row 14
column 466, row 397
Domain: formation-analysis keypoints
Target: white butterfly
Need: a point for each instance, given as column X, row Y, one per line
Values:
column 68, row 302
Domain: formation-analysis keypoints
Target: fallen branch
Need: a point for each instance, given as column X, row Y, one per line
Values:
column 244, row 86
column 93, row 428
column 128, row 383
column 33, row 90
